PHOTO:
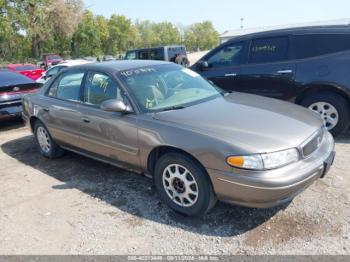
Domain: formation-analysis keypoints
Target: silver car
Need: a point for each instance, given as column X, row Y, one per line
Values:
column 198, row 142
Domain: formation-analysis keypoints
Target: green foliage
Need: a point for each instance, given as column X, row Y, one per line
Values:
column 156, row 34
column 201, row 36
column 30, row 28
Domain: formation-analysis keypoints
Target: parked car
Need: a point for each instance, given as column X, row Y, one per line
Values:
column 58, row 68
column 175, row 53
column 108, row 58
column 29, row 70
column 198, row 142
column 307, row 66
column 12, row 88
column 50, row 60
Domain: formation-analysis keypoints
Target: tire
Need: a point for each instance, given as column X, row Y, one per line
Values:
column 203, row 201
column 182, row 60
column 319, row 102
column 48, row 149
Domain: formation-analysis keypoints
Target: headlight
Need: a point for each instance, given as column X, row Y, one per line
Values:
column 265, row 161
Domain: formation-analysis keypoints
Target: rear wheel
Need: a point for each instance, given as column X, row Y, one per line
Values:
column 182, row 60
column 47, row 147
column 184, row 185
column 333, row 109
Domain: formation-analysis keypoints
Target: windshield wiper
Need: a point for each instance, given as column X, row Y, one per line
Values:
column 171, row 108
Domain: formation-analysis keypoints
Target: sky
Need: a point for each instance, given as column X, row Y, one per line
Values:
column 225, row 14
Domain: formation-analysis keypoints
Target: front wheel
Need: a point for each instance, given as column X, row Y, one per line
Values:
column 333, row 109
column 184, row 185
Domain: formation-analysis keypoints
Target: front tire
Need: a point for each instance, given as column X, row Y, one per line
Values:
column 184, row 185
column 333, row 109
column 47, row 146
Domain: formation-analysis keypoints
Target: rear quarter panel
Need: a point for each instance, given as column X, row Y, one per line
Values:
column 332, row 70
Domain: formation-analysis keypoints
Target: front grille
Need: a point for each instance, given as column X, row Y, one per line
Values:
column 311, row 145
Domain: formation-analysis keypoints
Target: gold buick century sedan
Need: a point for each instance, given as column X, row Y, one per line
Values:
column 198, row 142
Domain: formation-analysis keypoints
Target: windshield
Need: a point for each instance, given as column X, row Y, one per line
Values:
column 54, row 57
column 166, row 87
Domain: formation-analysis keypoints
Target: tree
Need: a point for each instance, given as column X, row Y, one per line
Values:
column 122, row 34
column 39, row 24
column 103, row 33
column 201, row 36
column 156, row 34
column 86, row 41
column 167, row 34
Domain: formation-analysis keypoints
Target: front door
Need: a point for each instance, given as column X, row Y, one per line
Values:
column 224, row 66
column 111, row 135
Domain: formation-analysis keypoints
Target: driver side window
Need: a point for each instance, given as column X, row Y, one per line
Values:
column 230, row 55
column 99, row 88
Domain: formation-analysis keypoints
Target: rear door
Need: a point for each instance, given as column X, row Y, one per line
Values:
column 268, row 71
column 111, row 135
column 61, row 110
column 224, row 66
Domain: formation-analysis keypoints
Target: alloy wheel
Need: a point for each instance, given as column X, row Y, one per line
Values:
column 180, row 185
column 328, row 113
column 43, row 139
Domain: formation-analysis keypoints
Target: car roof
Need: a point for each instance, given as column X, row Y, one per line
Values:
column 333, row 29
column 156, row 47
column 122, row 65
column 19, row 64
column 9, row 78
column 73, row 63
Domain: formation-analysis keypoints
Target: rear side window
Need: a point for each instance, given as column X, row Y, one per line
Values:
column 306, row 46
column 67, row 86
column 131, row 55
column 143, row 55
column 174, row 52
column 156, row 54
column 267, row 50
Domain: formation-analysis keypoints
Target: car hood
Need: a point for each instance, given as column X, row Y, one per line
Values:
column 251, row 123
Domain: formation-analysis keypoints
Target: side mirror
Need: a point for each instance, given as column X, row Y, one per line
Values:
column 114, row 105
column 203, row 65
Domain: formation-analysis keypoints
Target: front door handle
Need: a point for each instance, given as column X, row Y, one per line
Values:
column 46, row 109
column 86, row 120
column 230, row 74
column 283, row 72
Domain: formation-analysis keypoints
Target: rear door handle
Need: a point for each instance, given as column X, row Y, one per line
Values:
column 86, row 120
column 230, row 74
column 287, row 71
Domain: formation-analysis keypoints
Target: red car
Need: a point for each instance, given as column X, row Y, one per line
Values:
column 29, row 70
column 51, row 60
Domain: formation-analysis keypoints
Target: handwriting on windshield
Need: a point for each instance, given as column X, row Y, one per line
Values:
column 138, row 71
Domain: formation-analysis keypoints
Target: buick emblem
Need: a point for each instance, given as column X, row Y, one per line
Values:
column 16, row 88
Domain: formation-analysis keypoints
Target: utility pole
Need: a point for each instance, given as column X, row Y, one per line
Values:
column 242, row 20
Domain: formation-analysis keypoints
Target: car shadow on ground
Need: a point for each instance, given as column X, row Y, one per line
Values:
column 133, row 193
column 6, row 125
column 344, row 138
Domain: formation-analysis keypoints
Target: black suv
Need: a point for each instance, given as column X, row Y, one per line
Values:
column 309, row 66
column 174, row 53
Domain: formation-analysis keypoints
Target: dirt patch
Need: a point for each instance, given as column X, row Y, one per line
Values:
column 286, row 227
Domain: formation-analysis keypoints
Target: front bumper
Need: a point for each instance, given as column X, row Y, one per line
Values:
column 263, row 189
column 11, row 111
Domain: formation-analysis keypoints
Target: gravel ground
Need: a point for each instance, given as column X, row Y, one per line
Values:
column 75, row 205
